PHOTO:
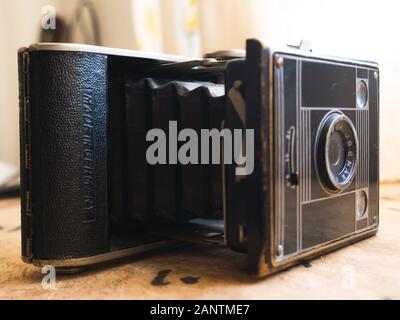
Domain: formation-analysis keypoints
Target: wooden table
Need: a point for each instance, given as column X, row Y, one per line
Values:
column 368, row 269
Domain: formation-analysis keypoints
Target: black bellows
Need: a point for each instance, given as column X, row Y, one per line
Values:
column 171, row 192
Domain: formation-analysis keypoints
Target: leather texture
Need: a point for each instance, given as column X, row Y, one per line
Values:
column 68, row 142
column 88, row 179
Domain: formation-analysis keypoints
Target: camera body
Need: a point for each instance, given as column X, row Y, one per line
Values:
column 304, row 178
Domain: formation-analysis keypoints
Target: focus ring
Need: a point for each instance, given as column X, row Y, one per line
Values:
column 336, row 151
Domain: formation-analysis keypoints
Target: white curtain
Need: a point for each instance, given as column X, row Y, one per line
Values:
column 192, row 27
column 168, row 26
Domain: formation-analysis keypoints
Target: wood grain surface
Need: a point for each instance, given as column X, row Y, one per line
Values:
column 368, row 269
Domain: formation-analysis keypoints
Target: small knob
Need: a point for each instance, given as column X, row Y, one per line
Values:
column 226, row 54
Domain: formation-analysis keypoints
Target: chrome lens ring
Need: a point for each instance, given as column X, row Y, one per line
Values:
column 336, row 151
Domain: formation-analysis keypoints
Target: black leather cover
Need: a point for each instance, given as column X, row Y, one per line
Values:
column 68, row 140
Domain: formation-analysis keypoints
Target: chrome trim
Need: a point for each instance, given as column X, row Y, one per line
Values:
column 279, row 49
column 101, row 258
column 226, row 54
column 337, row 116
column 323, row 248
column 74, row 47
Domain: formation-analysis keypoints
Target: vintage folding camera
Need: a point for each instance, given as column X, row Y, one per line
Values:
column 89, row 193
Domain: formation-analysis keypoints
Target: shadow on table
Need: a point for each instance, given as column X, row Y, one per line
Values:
column 189, row 262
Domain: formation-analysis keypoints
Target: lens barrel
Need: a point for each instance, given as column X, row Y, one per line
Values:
column 336, row 152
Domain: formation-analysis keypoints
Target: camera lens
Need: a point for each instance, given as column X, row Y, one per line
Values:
column 362, row 94
column 336, row 151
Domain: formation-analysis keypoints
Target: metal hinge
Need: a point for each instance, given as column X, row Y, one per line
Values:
column 29, row 246
column 27, row 154
column 28, row 209
column 25, row 68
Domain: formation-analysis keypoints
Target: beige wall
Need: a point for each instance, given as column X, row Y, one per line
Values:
column 18, row 26
column 115, row 22
column 359, row 29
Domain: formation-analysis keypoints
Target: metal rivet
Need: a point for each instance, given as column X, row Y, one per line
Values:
column 279, row 250
column 279, row 62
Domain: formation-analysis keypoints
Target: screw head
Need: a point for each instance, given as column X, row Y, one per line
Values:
column 279, row 62
column 279, row 250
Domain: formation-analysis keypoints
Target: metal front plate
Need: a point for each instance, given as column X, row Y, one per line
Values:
column 307, row 216
column 75, row 47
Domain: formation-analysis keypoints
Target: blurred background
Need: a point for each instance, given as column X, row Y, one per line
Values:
column 358, row 29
